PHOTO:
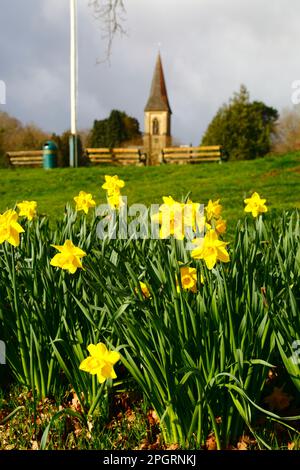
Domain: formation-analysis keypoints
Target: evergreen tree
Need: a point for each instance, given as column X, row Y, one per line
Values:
column 99, row 137
column 243, row 128
column 115, row 130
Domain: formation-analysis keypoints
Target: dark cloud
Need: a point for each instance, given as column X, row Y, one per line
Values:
column 209, row 47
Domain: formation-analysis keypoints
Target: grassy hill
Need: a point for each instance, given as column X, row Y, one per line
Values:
column 276, row 178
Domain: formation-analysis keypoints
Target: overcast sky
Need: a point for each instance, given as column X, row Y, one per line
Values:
column 208, row 47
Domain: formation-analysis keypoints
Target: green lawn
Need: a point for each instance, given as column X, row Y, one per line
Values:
column 276, row 178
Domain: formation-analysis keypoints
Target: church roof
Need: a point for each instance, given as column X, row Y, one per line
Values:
column 158, row 99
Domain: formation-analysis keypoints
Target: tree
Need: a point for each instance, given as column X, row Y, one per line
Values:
column 110, row 14
column 287, row 136
column 243, row 128
column 14, row 136
column 114, row 131
column 33, row 137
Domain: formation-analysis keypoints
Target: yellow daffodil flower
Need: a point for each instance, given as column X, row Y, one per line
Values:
column 27, row 209
column 169, row 201
column 191, row 214
column 69, row 257
column 170, row 218
column 115, row 200
column 175, row 217
column 221, row 226
column 84, row 201
column 213, row 210
column 255, row 204
column 211, row 249
column 100, row 362
column 10, row 229
column 188, row 278
column 144, row 289
column 172, row 223
column 113, row 184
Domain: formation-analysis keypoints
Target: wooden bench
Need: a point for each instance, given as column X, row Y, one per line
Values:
column 120, row 156
column 30, row 158
column 184, row 155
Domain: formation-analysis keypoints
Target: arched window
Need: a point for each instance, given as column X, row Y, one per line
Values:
column 155, row 126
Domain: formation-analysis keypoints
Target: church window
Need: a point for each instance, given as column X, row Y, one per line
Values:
column 155, row 126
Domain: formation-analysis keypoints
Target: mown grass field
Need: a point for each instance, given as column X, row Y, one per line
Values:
column 276, row 178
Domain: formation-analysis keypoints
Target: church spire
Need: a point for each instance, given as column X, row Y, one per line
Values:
column 158, row 99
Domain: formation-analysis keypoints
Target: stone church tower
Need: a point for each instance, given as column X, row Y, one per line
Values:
column 157, row 116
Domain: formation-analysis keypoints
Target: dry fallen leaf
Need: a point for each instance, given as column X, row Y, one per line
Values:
column 278, row 399
column 172, row 447
column 130, row 415
column 264, row 296
column 144, row 444
column 210, row 442
column 153, row 418
column 75, row 403
column 157, row 444
column 34, row 445
column 90, row 424
column 77, row 428
column 242, row 445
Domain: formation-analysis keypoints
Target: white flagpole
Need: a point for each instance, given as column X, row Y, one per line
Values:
column 73, row 83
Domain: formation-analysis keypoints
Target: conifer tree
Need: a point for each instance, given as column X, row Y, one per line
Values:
column 243, row 128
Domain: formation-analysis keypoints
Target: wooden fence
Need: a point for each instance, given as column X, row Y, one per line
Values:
column 119, row 156
column 126, row 156
column 30, row 158
column 184, row 155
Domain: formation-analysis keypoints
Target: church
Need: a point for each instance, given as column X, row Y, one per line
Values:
column 157, row 115
column 155, row 146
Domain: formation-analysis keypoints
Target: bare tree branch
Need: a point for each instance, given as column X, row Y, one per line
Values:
column 111, row 14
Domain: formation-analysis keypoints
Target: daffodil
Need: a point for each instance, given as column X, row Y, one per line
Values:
column 27, row 209
column 192, row 216
column 100, row 362
column 213, row 210
column 211, row 249
column 188, row 279
column 172, row 222
column 170, row 217
column 84, row 201
column 10, row 229
column 169, row 201
column 255, row 204
column 176, row 217
column 144, row 289
column 115, row 200
column 113, row 184
column 221, row 226
column 69, row 257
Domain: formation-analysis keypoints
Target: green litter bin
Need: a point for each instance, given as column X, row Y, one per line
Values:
column 50, row 155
